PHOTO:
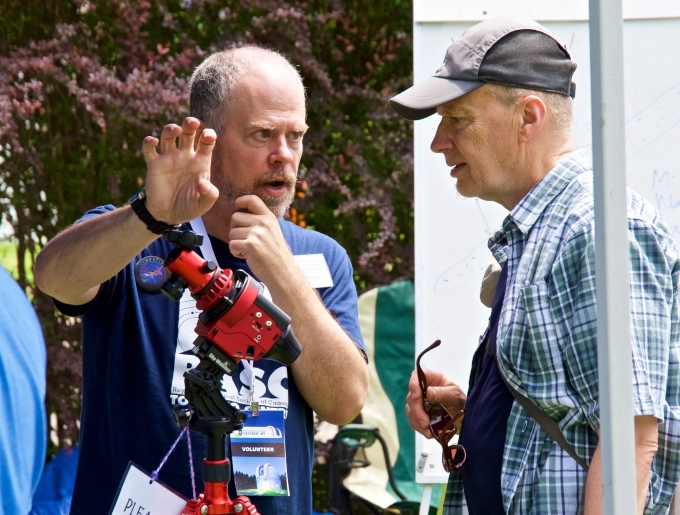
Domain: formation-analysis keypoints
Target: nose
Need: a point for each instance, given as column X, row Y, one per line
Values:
column 441, row 141
column 281, row 153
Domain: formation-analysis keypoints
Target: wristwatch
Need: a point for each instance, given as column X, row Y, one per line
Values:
column 138, row 204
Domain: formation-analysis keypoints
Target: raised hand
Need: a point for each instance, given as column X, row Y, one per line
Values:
column 178, row 187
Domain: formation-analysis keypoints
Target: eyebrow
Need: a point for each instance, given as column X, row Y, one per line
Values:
column 456, row 111
column 260, row 126
column 266, row 126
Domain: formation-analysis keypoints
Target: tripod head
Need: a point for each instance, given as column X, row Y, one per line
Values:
column 237, row 321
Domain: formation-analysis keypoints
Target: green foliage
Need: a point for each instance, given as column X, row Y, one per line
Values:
column 8, row 260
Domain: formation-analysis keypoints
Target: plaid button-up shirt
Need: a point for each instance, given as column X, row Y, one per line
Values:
column 547, row 341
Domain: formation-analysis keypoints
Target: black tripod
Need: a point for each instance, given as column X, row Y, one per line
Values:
column 209, row 413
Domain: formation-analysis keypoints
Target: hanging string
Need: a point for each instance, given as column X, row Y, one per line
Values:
column 191, row 463
column 154, row 474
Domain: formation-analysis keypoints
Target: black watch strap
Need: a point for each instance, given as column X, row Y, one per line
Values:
column 138, row 205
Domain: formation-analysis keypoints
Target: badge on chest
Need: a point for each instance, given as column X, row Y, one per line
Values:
column 150, row 274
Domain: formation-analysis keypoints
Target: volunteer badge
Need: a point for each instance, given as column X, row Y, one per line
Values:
column 258, row 454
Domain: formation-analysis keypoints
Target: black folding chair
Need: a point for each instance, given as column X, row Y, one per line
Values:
column 347, row 453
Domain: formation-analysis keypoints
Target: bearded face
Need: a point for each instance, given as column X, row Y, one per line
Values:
column 276, row 189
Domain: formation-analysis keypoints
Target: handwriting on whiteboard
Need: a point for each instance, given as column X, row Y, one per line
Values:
column 653, row 121
column 471, row 267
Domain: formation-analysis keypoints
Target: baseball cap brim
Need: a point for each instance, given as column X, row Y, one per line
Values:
column 422, row 99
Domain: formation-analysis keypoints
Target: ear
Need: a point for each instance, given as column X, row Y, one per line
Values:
column 533, row 117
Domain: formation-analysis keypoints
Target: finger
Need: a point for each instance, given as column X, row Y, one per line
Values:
column 414, row 392
column 242, row 219
column 415, row 408
column 149, row 148
column 237, row 249
column 186, row 139
column 168, row 137
column 451, row 397
column 435, row 395
column 208, row 195
column 418, row 412
column 414, row 384
column 420, row 423
column 206, row 142
column 251, row 204
column 436, row 378
column 238, row 233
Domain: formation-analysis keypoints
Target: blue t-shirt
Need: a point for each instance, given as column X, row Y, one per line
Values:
column 23, row 426
column 130, row 343
column 486, row 418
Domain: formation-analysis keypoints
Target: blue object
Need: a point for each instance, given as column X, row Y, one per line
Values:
column 53, row 495
column 23, row 424
column 486, row 418
column 130, row 340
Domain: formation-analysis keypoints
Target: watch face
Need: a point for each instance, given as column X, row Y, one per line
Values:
column 150, row 274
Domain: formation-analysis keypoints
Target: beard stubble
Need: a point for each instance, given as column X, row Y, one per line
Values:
column 278, row 205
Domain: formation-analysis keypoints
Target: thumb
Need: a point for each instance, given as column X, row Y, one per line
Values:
column 436, row 394
column 208, row 194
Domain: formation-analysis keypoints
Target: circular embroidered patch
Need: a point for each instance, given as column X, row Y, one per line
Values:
column 150, row 274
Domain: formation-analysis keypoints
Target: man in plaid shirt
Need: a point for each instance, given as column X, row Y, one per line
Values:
column 505, row 95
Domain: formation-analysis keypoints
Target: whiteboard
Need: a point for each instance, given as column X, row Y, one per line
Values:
column 451, row 232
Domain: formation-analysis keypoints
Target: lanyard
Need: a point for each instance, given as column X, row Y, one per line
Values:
column 206, row 248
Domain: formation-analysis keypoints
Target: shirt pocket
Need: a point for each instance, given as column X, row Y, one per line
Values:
column 532, row 343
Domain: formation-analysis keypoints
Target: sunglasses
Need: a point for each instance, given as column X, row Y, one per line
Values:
column 443, row 425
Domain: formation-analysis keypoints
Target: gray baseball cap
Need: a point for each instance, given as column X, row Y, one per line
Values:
column 510, row 50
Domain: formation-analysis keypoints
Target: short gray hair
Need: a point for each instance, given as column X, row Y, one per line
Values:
column 214, row 79
column 561, row 107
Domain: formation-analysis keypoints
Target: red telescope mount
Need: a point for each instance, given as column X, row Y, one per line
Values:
column 236, row 322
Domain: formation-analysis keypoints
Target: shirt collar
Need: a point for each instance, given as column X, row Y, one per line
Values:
column 525, row 214
column 534, row 203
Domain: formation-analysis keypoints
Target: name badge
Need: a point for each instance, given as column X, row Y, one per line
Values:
column 138, row 494
column 316, row 270
column 258, row 455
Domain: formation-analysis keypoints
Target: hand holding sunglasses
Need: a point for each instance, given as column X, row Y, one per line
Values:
column 443, row 424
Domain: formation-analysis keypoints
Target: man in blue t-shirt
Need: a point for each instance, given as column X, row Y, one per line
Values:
column 23, row 425
column 231, row 175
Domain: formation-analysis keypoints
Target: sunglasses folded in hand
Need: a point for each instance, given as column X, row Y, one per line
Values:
column 443, row 425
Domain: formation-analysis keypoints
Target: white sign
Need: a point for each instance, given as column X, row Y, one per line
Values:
column 139, row 495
